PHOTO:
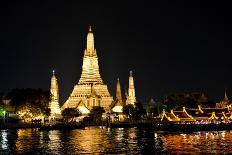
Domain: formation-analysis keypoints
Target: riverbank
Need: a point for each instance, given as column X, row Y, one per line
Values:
column 157, row 126
column 134, row 123
column 60, row 126
column 16, row 126
column 195, row 127
column 63, row 126
column 81, row 125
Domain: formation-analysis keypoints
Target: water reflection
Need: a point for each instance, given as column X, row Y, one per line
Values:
column 149, row 142
column 27, row 140
column 218, row 142
column 96, row 140
column 50, row 141
column 4, row 139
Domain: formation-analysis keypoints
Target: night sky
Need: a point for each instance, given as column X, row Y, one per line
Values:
column 172, row 47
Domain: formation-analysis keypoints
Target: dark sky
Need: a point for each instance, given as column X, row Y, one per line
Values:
column 171, row 46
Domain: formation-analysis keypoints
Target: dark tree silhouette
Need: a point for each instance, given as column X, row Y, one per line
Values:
column 35, row 101
column 70, row 113
column 96, row 113
column 128, row 110
column 135, row 112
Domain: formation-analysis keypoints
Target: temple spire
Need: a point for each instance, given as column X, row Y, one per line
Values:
column 54, row 86
column 118, row 91
column 226, row 97
column 90, row 40
column 54, row 104
column 131, row 90
column 90, row 89
column 131, row 81
column 90, row 68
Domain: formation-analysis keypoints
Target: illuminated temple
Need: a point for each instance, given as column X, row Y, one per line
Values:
column 54, row 103
column 131, row 99
column 90, row 90
column 117, row 104
column 222, row 112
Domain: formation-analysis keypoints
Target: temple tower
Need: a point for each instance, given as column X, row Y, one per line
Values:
column 90, row 69
column 90, row 90
column 131, row 99
column 118, row 91
column 226, row 97
column 54, row 103
column 117, row 104
column 223, row 103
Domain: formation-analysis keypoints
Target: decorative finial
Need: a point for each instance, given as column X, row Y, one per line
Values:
column 131, row 73
column 118, row 79
column 90, row 30
column 226, row 98
column 53, row 72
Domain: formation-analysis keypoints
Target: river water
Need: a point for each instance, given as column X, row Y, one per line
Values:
column 97, row 140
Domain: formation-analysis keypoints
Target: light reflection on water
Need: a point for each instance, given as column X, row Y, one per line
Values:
column 4, row 139
column 214, row 142
column 96, row 140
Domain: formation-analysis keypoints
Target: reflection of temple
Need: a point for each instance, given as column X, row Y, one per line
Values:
column 90, row 90
column 54, row 104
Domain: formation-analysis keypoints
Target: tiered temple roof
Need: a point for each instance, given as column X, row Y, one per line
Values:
column 90, row 90
column 221, row 112
column 199, row 114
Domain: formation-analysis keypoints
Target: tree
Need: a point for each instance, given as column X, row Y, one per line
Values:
column 70, row 113
column 135, row 112
column 139, row 111
column 156, row 108
column 2, row 111
column 2, row 105
column 128, row 110
column 190, row 100
column 31, row 102
column 172, row 102
column 96, row 112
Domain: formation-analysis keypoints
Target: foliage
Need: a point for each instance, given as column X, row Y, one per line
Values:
column 2, row 111
column 209, row 104
column 139, row 111
column 177, row 101
column 96, row 113
column 128, row 110
column 30, row 102
column 70, row 113
column 2, row 105
column 88, row 119
column 155, row 108
column 134, row 112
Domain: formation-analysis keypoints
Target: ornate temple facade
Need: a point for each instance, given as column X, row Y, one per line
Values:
column 90, row 90
column 54, row 103
column 131, row 99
